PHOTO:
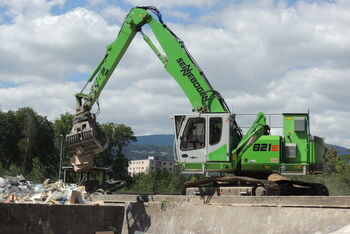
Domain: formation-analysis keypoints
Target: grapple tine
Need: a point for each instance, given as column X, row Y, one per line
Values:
column 86, row 138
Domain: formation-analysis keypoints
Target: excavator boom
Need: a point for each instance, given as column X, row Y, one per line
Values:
column 177, row 61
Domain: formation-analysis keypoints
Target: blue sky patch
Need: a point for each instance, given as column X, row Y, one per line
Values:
column 78, row 77
column 6, row 84
column 68, row 6
column 294, row 2
column 3, row 17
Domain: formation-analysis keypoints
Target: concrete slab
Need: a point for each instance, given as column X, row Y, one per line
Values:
column 182, row 214
column 287, row 201
column 47, row 219
column 206, row 218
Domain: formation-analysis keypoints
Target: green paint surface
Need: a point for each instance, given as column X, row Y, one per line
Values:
column 218, row 155
column 266, row 151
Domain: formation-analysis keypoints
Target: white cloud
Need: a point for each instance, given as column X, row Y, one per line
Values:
column 47, row 100
column 113, row 13
column 53, row 47
column 176, row 14
column 96, row 2
column 170, row 3
column 333, row 126
column 22, row 9
column 259, row 55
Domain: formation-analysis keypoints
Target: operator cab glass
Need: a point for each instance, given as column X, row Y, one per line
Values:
column 179, row 119
column 215, row 130
column 194, row 134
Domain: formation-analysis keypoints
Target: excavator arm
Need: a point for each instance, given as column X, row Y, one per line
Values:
column 86, row 137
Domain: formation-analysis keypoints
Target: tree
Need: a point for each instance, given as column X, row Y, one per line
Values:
column 45, row 143
column 36, row 139
column 62, row 126
column 10, row 133
column 23, row 135
column 331, row 158
column 26, row 143
column 120, row 136
column 38, row 172
column 144, row 182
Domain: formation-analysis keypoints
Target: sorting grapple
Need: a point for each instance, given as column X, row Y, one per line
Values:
column 86, row 137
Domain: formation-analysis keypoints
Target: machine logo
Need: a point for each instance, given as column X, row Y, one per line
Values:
column 187, row 71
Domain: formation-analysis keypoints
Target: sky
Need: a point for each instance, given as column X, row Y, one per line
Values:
column 273, row 56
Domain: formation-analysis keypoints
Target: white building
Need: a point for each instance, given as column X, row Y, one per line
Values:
column 150, row 164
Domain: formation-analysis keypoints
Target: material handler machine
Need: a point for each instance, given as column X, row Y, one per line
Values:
column 209, row 139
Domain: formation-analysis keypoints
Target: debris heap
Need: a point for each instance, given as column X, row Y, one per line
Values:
column 19, row 190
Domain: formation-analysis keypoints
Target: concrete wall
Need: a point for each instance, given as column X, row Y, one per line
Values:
column 192, row 214
column 187, row 218
column 47, row 219
column 182, row 214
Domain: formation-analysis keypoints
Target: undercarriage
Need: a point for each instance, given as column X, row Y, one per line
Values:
column 247, row 186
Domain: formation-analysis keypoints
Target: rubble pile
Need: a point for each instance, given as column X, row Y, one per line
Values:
column 19, row 190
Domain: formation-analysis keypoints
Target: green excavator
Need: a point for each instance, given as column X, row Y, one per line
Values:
column 209, row 139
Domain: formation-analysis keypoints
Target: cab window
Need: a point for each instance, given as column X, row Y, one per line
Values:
column 194, row 134
column 215, row 130
column 178, row 123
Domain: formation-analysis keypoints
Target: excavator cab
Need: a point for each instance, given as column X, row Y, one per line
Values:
column 203, row 137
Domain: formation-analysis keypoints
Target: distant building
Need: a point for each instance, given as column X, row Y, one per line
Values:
column 150, row 164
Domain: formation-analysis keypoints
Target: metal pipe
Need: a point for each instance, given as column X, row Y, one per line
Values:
column 161, row 57
column 61, row 151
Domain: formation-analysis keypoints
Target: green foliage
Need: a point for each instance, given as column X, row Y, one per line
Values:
column 331, row 159
column 12, row 170
column 30, row 145
column 346, row 157
column 120, row 136
column 344, row 170
column 38, row 172
column 62, row 126
column 10, row 134
column 158, row 182
column 144, row 182
column 24, row 134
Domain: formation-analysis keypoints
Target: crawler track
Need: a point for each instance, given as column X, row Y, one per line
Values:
column 262, row 187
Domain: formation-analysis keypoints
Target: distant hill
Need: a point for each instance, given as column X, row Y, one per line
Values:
column 341, row 150
column 159, row 146
column 157, row 140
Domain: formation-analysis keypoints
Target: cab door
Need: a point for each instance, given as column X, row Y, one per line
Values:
column 218, row 137
column 192, row 138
